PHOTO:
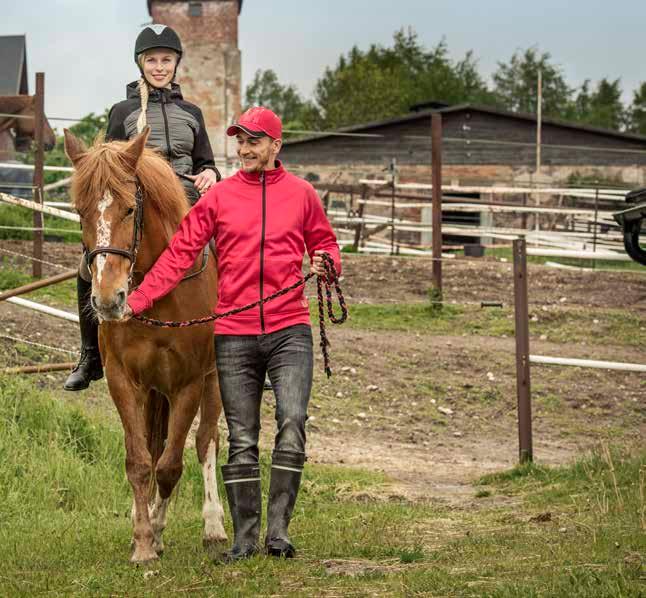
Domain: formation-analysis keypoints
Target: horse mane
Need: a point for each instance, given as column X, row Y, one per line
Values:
column 104, row 168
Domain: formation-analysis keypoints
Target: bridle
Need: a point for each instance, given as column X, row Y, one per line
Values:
column 137, row 234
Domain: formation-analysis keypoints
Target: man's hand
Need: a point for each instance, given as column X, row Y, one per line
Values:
column 317, row 266
column 127, row 314
column 203, row 181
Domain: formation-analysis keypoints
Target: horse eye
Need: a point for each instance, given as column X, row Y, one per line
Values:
column 130, row 211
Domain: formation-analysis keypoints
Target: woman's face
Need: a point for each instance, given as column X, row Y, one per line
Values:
column 159, row 67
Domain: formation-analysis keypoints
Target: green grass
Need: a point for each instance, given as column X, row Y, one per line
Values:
column 19, row 217
column 65, row 528
column 62, row 294
column 566, row 325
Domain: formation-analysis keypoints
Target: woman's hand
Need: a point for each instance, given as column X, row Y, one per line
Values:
column 203, row 181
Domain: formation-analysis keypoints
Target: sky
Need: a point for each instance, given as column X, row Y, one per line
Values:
column 85, row 46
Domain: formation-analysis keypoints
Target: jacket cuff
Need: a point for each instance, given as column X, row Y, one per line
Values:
column 139, row 302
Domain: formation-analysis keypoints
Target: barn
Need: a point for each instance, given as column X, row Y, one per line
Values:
column 481, row 145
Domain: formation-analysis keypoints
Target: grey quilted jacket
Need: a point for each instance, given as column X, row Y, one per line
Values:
column 177, row 130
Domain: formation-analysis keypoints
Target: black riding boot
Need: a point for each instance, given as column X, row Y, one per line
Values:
column 242, row 483
column 89, row 367
column 286, row 470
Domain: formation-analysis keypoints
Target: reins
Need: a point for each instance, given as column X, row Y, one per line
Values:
column 328, row 280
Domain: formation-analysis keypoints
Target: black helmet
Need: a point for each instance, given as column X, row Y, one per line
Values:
column 157, row 36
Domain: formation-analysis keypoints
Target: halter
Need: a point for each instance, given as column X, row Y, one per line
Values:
column 137, row 235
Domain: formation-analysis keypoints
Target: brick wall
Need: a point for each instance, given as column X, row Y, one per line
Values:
column 210, row 70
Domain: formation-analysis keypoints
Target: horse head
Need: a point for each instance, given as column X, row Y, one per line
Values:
column 25, row 128
column 107, row 195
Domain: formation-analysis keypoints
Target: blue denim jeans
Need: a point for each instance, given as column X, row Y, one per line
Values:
column 243, row 361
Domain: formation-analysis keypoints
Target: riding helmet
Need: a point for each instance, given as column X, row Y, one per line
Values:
column 157, row 36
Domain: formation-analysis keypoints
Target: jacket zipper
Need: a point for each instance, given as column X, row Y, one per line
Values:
column 262, row 251
column 163, row 105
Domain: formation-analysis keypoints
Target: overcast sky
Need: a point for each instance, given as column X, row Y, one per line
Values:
column 85, row 46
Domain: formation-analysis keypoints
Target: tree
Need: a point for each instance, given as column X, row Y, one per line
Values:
column 266, row 90
column 383, row 82
column 637, row 111
column 605, row 107
column 516, row 84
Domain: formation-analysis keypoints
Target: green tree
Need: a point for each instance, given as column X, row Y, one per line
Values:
column 516, row 84
column 637, row 111
column 605, row 107
column 383, row 82
column 266, row 90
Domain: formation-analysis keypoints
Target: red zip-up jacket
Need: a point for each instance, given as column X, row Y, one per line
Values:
column 262, row 225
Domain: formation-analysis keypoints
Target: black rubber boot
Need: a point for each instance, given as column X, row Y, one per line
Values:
column 242, row 483
column 89, row 367
column 286, row 470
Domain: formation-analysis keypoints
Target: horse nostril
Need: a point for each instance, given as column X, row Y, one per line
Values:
column 121, row 297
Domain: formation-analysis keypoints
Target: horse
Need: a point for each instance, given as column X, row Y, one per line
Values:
column 130, row 203
column 25, row 128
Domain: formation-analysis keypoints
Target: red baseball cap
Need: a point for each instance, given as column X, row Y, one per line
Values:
column 257, row 122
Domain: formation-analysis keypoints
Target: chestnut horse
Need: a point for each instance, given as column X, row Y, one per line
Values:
column 25, row 106
column 130, row 203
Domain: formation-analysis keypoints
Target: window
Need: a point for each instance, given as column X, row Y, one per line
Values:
column 194, row 9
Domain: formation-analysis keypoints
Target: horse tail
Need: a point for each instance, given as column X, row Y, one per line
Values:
column 157, row 413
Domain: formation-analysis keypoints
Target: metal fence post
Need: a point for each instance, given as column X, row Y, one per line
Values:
column 436, row 174
column 39, row 160
column 523, row 387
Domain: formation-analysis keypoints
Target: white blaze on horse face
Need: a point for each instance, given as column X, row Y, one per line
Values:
column 103, row 233
column 212, row 511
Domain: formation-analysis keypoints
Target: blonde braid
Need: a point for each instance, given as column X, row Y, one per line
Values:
column 143, row 92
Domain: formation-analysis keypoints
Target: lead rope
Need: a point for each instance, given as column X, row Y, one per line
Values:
column 328, row 280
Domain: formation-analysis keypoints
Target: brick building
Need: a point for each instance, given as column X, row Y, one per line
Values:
column 210, row 69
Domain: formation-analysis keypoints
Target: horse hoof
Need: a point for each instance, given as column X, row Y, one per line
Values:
column 141, row 555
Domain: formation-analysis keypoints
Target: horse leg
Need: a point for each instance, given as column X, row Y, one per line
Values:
column 157, row 414
column 207, row 445
column 138, row 462
column 183, row 409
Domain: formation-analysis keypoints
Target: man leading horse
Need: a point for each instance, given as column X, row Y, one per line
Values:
column 263, row 219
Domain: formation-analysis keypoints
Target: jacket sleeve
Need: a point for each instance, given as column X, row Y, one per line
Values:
column 317, row 230
column 202, row 152
column 194, row 232
column 116, row 130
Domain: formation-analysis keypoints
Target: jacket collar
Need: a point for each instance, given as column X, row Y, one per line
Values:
column 271, row 176
column 155, row 95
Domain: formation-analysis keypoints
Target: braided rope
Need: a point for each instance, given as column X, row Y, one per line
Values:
column 329, row 278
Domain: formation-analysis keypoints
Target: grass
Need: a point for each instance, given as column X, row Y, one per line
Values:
column 16, row 216
column 578, row 530
column 566, row 325
column 62, row 294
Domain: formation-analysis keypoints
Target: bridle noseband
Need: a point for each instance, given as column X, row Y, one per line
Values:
column 137, row 235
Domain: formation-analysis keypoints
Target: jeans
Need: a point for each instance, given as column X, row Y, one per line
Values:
column 242, row 362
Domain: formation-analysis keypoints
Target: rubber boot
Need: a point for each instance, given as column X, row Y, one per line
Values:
column 242, row 483
column 89, row 367
column 286, row 470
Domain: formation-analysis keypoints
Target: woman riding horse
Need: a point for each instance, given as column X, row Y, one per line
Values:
column 177, row 130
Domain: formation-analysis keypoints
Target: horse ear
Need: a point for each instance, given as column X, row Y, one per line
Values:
column 132, row 152
column 74, row 147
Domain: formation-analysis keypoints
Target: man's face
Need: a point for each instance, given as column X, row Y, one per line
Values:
column 257, row 153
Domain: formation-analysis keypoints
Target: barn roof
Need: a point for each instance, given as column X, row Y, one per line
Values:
column 421, row 112
column 13, row 66
column 150, row 2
